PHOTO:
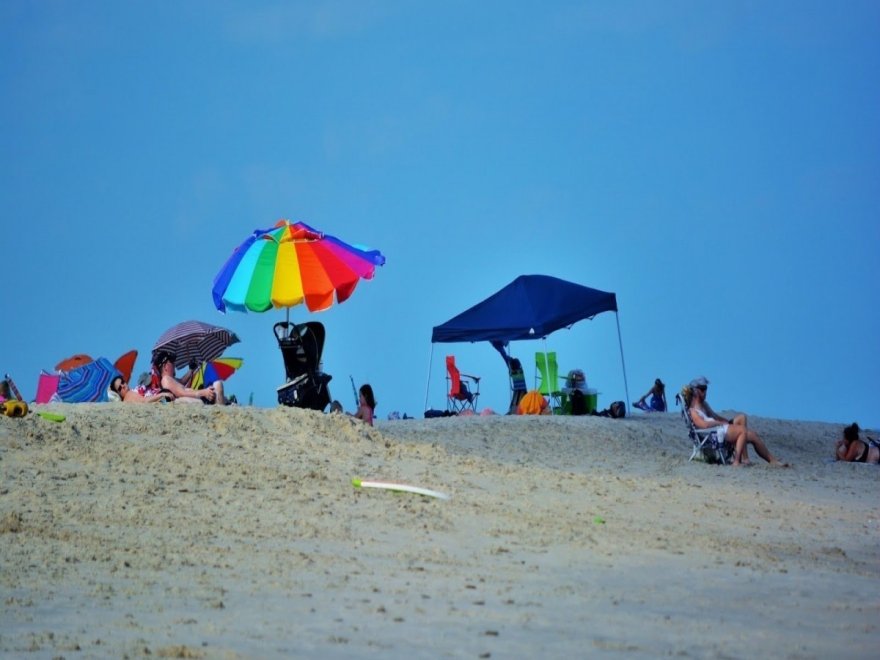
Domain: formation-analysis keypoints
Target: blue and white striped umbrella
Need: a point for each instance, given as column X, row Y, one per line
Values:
column 88, row 382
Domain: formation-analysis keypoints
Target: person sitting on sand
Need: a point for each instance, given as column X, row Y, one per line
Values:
column 5, row 394
column 164, row 363
column 125, row 393
column 735, row 432
column 366, row 404
column 658, row 398
column 850, row 447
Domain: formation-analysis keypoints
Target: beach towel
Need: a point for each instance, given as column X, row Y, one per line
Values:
column 47, row 386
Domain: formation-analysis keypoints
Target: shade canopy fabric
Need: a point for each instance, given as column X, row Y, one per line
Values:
column 530, row 307
column 88, row 382
column 213, row 370
column 292, row 264
column 73, row 362
column 125, row 364
column 194, row 340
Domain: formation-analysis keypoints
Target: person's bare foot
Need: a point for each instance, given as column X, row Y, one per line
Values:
column 779, row 464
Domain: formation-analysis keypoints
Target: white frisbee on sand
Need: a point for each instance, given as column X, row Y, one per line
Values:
column 402, row 488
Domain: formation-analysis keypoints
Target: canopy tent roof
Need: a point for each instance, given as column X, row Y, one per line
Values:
column 530, row 307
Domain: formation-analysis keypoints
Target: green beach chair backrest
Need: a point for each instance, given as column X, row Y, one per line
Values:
column 541, row 372
column 553, row 372
column 548, row 370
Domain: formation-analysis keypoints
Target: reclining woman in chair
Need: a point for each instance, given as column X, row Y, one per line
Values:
column 735, row 432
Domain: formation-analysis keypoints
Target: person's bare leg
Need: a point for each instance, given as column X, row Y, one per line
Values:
column 755, row 440
column 219, row 398
column 736, row 435
column 741, row 421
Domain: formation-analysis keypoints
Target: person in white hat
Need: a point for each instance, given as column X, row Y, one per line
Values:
column 735, row 431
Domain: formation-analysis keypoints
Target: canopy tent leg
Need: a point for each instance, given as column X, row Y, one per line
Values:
column 622, row 363
column 537, row 382
column 428, row 384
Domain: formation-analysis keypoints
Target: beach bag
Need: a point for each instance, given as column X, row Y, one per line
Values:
column 578, row 403
column 617, row 409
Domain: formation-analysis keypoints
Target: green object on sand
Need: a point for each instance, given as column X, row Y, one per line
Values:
column 599, row 520
column 52, row 417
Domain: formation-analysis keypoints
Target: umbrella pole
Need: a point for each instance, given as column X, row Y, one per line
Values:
column 428, row 384
column 546, row 362
column 622, row 363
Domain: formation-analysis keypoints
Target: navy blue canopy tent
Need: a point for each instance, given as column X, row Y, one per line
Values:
column 530, row 307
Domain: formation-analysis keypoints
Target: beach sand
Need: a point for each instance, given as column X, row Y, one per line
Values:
column 235, row 532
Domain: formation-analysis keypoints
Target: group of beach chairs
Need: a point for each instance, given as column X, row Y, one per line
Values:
column 463, row 391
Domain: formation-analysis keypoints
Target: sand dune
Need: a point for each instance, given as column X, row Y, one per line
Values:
column 184, row 531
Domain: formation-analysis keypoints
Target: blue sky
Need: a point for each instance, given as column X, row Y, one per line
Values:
column 716, row 165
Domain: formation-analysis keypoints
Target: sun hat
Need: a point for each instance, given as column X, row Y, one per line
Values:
column 699, row 381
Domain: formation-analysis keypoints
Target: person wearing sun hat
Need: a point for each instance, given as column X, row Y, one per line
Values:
column 734, row 431
column 700, row 381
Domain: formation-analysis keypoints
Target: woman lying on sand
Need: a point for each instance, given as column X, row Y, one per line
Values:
column 129, row 395
column 733, row 431
column 852, row 448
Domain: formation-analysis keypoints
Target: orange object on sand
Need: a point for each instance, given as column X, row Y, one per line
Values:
column 532, row 404
column 125, row 364
column 73, row 362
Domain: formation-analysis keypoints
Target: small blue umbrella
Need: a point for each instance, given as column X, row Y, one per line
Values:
column 88, row 382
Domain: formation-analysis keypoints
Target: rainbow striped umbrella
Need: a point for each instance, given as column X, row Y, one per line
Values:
column 211, row 371
column 290, row 264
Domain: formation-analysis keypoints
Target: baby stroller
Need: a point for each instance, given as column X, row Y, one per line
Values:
column 301, row 347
